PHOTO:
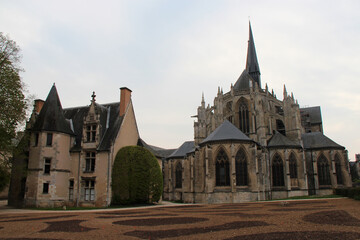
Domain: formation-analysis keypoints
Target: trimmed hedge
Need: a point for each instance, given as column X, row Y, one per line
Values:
column 353, row 192
column 136, row 177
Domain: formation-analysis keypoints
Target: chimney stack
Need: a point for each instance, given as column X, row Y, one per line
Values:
column 125, row 97
column 38, row 104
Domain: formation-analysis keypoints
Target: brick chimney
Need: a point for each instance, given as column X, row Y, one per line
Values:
column 38, row 104
column 125, row 97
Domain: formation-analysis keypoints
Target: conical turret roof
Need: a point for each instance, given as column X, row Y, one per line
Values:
column 51, row 117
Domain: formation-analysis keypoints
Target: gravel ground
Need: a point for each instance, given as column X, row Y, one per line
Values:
column 305, row 219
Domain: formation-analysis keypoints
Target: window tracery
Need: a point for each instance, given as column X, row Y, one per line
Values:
column 278, row 171
column 293, row 166
column 323, row 171
column 222, row 169
column 244, row 124
column 338, row 170
column 241, row 168
column 178, row 176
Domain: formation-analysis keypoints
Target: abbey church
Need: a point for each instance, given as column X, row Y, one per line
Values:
column 248, row 146
column 251, row 146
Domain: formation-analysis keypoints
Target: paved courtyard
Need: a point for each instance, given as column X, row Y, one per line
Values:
column 306, row 219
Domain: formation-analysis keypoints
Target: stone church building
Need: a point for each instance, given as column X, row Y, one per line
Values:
column 250, row 145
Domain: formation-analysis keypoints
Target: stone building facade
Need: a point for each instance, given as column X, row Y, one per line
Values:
column 70, row 152
column 250, row 145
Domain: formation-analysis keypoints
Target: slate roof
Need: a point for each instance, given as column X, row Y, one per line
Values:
column 243, row 81
column 51, row 117
column 280, row 141
column 314, row 114
column 252, row 65
column 226, row 131
column 157, row 151
column 184, row 149
column 317, row 140
column 110, row 123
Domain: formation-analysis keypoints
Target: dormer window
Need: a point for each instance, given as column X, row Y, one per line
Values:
column 91, row 133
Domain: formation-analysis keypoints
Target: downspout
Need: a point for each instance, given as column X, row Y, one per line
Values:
column 108, row 197
column 78, row 182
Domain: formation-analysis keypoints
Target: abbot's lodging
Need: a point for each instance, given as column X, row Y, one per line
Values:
column 70, row 152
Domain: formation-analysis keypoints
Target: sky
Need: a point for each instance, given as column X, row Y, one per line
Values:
column 170, row 52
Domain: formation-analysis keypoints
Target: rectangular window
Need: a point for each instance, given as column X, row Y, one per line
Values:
column 89, row 190
column 47, row 165
column 90, row 161
column 36, row 139
column 45, row 188
column 91, row 133
column 49, row 138
column 71, row 190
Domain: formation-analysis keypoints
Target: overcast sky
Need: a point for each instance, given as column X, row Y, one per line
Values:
column 170, row 52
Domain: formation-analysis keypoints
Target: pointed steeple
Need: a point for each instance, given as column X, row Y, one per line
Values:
column 51, row 117
column 252, row 65
column 202, row 100
column 285, row 92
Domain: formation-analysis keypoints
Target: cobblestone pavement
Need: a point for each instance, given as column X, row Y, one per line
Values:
column 305, row 219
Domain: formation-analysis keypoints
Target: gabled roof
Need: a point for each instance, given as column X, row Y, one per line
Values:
column 314, row 114
column 51, row 117
column 317, row 140
column 225, row 132
column 185, row 148
column 157, row 151
column 280, row 141
column 110, row 123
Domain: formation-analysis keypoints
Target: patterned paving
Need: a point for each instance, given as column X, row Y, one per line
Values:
column 315, row 219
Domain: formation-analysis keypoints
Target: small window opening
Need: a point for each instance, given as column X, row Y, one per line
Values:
column 47, row 165
column 49, row 139
column 90, row 162
column 45, row 188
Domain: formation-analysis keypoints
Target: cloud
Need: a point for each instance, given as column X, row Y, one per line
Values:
column 169, row 52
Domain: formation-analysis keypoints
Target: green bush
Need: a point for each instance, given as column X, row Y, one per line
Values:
column 353, row 192
column 136, row 177
column 4, row 177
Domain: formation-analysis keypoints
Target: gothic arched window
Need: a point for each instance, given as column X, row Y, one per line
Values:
column 241, row 168
column 338, row 170
column 277, row 171
column 244, row 117
column 229, row 112
column 178, row 176
column 293, row 166
column 222, row 169
column 323, row 171
column 280, row 127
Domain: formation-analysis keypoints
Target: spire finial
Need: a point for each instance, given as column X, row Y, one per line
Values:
column 252, row 65
column 285, row 92
column 202, row 100
column 93, row 97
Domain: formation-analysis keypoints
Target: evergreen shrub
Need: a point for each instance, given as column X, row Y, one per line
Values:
column 136, row 177
column 353, row 192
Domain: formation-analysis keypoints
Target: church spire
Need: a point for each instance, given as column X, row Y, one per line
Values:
column 252, row 65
